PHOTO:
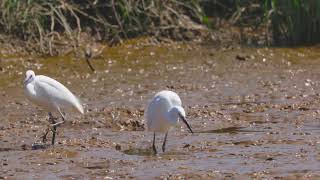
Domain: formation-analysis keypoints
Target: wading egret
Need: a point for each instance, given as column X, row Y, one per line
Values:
column 52, row 96
column 164, row 112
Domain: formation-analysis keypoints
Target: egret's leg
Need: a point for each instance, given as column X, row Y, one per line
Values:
column 63, row 119
column 54, row 131
column 164, row 142
column 153, row 144
column 54, row 126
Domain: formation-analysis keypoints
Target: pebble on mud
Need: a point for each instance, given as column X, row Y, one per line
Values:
column 118, row 147
column 269, row 159
column 241, row 57
column 37, row 146
column 186, row 146
column 24, row 147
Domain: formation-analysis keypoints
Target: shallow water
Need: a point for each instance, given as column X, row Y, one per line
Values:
column 254, row 112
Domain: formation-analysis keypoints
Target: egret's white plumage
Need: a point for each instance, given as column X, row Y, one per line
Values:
column 50, row 94
column 164, row 112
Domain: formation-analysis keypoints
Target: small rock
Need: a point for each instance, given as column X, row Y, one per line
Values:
column 269, row 159
column 240, row 57
column 186, row 146
column 37, row 146
column 303, row 108
column 24, row 147
column 118, row 147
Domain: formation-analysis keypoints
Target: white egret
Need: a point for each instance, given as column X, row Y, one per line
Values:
column 52, row 96
column 164, row 112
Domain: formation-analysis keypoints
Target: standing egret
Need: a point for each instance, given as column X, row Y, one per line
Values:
column 52, row 96
column 164, row 112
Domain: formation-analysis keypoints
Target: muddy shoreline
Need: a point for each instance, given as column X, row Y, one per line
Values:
column 255, row 112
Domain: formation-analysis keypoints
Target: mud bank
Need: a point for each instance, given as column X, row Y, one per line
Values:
column 255, row 113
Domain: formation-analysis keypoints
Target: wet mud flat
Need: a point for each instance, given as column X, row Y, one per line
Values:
column 255, row 113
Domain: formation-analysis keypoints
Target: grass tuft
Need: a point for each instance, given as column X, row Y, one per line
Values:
column 46, row 21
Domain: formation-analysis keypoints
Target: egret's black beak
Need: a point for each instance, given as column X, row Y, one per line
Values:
column 26, row 80
column 185, row 121
column 89, row 64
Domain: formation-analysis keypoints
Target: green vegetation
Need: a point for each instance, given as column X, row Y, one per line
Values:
column 294, row 22
column 47, row 20
column 50, row 22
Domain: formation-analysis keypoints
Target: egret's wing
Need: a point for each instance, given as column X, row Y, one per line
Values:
column 56, row 92
column 156, row 110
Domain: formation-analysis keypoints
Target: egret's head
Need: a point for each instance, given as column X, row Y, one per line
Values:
column 29, row 77
column 176, row 113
